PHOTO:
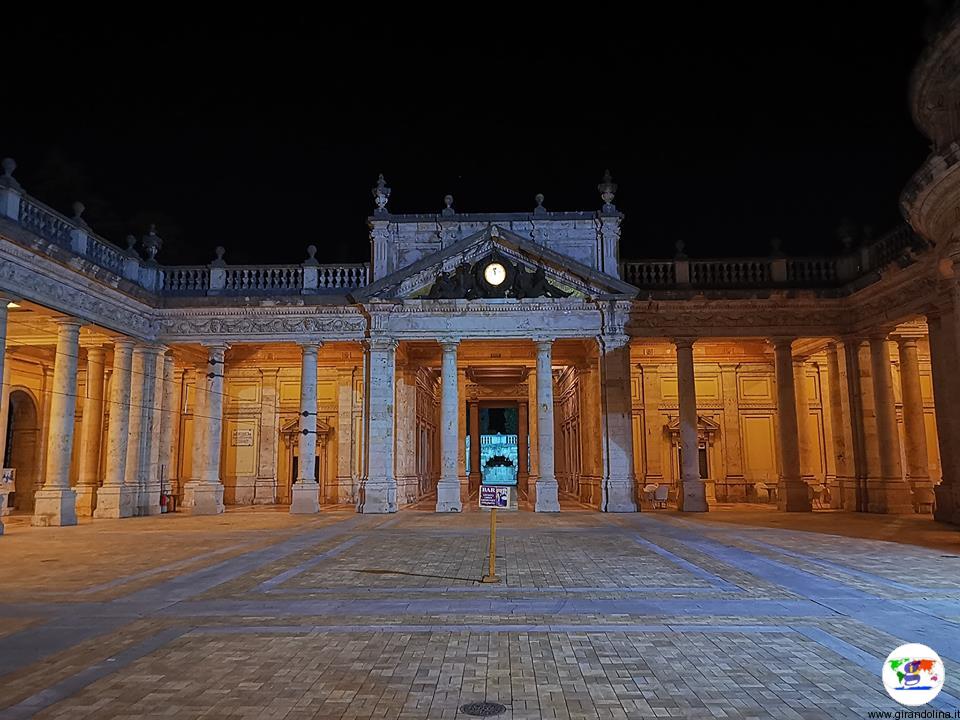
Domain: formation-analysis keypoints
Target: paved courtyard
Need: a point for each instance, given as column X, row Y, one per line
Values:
column 259, row 614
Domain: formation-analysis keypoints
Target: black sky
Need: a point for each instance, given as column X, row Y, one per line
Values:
column 265, row 133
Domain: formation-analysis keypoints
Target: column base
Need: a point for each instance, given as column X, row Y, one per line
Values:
column 923, row 498
column 377, row 497
column 948, row 504
column 793, row 496
column 618, row 496
column 54, row 507
column 265, row 491
column 86, row 500
column 889, row 496
column 693, row 496
column 149, row 500
column 203, row 498
column 548, row 496
column 114, row 501
column 448, row 496
column 346, row 493
column 306, row 498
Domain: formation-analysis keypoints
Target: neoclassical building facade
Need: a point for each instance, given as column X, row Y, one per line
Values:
column 131, row 387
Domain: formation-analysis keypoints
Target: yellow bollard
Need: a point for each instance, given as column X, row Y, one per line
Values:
column 491, row 577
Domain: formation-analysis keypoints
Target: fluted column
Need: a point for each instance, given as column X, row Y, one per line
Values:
column 114, row 498
column 306, row 490
column 945, row 362
column 56, row 502
column 803, row 420
column 618, row 483
column 448, row 489
column 693, row 495
column 169, row 417
column 4, row 392
column 891, row 494
column 345, row 488
column 91, row 431
column 546, row 490
column 378, row 487
column 840, row 428
column 914, row 426
column 793, row 494
column 204, row 495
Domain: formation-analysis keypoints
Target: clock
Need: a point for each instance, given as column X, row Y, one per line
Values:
column 494, row 273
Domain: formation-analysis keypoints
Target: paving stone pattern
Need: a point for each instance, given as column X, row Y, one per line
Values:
column 650, row 615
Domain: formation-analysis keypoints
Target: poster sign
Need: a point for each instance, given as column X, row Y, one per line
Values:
column 242, row 437
column 497, row 496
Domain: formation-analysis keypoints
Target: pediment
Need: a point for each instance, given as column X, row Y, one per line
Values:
column 531, row 270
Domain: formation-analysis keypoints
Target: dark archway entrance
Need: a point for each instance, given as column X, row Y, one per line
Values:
column 23, row 448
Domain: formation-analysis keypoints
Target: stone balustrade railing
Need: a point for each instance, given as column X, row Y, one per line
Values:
column 498, row 440
column 310, row 277
column 746, row 273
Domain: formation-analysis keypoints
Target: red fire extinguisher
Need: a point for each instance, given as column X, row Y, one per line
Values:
column 163, row 502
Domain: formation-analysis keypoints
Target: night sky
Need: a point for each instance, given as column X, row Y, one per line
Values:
column 265, row 134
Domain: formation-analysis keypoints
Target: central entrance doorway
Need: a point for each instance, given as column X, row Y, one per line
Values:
column 497, row 444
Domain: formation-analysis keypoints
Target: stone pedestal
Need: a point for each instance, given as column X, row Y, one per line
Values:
column 448, row 488
column 306, row 498
column 54, row 507
column 547, row 492
column 114, row 501
column 202, row 498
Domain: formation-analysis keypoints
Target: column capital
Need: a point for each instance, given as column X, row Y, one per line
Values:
column 380, row 343
column 449, row 345
column 685, row 341
column 905, row 341
column 96, row 350
column 613, row 341
column 310, row 346
column 543, row 344
column 123, row 343
column 214, row 346
column 783, row 341
column 70, row 322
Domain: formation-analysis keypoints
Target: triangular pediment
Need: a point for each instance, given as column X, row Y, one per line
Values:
column 533, row 269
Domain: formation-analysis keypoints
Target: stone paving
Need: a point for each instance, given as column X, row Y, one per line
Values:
column 259, row 614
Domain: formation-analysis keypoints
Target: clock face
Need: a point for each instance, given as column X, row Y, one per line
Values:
column 494, row 273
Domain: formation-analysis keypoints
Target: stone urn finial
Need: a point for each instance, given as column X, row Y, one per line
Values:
column 539, row 209
column 78, row 208
column 381, row 195
column 448, row 205
column 776, row 247
column 8, row 180
column 679, row 246
column 311, row 256
column 607, row 189
column 152, row 243
column 219, row 262
column 131, row 246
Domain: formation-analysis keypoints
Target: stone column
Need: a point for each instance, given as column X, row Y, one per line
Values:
column 448, row 489
column 265, row 487
column 135, row 429
column 793, row 494
column 4, row 390
column 946, row 390
column 619, row 482
column 169, row 418
column 693, row 495
column 546, row 490
column 476, row 472
column 203, row 495
column 914, row 426
column 198, row 434
column 149, row 473
column 345, row 489
column 114, row 498
column 91, row 432
column 652, row 425
column 732, row 446
column 891, row 494
column 839, row 428
column 803, row 420
column 55, row 503
column 378, row 488
column 523, row 452
column 306, row 490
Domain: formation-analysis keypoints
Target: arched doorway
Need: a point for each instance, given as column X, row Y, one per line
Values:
column 22, row 448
